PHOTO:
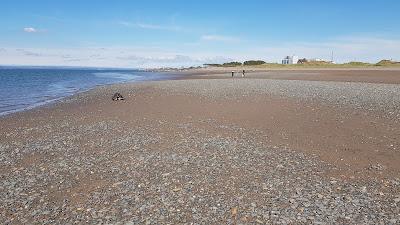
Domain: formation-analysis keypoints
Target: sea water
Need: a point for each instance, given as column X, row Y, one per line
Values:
column 26, row 88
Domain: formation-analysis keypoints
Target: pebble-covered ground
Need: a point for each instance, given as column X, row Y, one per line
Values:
column 191, row 171
column 382, row 98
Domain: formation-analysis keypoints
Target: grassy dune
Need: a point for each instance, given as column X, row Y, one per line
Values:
column 382, row 63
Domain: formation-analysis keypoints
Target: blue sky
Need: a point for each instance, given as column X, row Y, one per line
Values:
column 181, row 33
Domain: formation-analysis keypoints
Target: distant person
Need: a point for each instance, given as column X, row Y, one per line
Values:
column 233, row 72
column 243, row 73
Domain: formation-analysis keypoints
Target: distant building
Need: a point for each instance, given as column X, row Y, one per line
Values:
column 290, row 60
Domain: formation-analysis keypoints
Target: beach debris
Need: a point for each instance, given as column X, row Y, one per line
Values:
column 117, row 97
column 377, row 167
column 177, row 189
column 234, row 211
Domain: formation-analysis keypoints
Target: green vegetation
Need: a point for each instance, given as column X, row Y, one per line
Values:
column 212, row 64
column 230, row 64
column 194, row 67
column 317, row 63
column 304, row 63
column 253, row 62
column 358, row 64
column 303, row 60
column 386, row 62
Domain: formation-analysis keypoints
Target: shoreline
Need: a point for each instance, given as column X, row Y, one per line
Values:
column 297, row 144
column 217, row 73
column 80, row 98
column 56, row 100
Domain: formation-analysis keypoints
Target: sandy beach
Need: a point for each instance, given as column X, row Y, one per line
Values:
column 274, row 147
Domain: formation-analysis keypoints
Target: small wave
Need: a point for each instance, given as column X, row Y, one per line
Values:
column 24, row 107
column 120, row 76
column 36, row 87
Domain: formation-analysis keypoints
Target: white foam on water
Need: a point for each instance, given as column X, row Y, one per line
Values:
column 63, row 88
column 32, row 106
column 115, row 75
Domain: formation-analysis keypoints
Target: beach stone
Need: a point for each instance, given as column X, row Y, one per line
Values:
column 377, row 167
column 127, row 172
column 117, row 97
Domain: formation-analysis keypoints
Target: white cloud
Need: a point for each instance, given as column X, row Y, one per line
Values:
column 30, row 30
column 126, row 24
column 105, row 57
column 219, row 38
column 150, row 26
column 352, row 48
column 345, row 49
column 33, row 30
column 29, row 53
column 158, row 27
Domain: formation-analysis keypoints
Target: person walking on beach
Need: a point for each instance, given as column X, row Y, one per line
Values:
column 233, row 72
column 243, row 73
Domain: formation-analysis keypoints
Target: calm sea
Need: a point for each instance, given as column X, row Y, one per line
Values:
column 25, row 88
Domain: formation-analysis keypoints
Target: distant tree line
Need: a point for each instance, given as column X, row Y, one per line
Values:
column 253, row 62
column 212, row 64
column 228, row 64
column 232, row 64
column 304, row 62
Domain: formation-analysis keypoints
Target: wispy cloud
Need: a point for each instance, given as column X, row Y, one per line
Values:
column 345, row 49
column 30, row 30
column 150, row 26
column 158, row 27
column 106, row 57
column 359, row 48
column 159, row 60
column 174, row 60
column 126, row 23
column 33, row 30
column 30, row 53
column 219, row 38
